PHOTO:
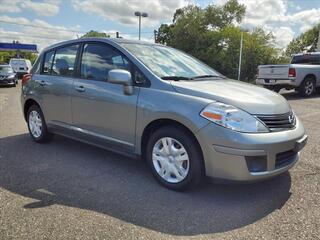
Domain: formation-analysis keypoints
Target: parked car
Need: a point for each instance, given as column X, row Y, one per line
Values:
column 149, row 100
column 7, row 76
column 302, row 74
column 20, row 66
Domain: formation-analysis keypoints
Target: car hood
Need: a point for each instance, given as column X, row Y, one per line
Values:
column 248, row 97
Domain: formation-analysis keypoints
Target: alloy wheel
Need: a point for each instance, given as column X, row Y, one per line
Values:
column 35, row 124
column 170, row 160
column 309, row 88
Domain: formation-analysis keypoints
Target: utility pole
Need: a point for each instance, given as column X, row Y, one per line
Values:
column 155, row 32
column 240, row 56
column 140, row 15
column 318, row 43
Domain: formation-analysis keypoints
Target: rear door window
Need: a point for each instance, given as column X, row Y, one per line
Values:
column 64, row 61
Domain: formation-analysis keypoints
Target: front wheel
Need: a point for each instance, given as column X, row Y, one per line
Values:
column 37, row 126
column 175, row 158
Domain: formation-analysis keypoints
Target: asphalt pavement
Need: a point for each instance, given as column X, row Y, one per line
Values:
column 71, row 190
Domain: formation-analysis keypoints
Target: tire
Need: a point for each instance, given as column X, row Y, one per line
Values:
column 273, row 88
column 37, row 126
column 307, row 87
column 276, row 89
column 183, row 146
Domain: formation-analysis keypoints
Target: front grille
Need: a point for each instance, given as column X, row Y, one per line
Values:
column 285, row 158
column 278, row 122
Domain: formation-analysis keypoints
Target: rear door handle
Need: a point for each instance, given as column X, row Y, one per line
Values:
column 80, row 88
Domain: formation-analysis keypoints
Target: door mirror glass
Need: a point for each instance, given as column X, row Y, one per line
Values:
column 123, row 77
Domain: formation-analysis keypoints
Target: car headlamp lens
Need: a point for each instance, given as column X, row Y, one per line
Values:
column 233, row 118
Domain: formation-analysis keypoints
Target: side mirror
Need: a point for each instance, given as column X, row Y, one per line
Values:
column 123, row 77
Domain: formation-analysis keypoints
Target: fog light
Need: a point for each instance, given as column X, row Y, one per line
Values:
column 256, row 163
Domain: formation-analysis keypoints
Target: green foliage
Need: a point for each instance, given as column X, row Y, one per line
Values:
column 305, row 40
column 95, row 34
column 5, row 56
column 212, row 35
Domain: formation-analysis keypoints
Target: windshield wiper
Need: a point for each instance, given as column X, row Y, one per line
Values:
column 178, row 78
column 208, row 76
column 175, row 78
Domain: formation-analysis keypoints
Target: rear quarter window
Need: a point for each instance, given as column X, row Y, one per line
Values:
column 36, row 66
column 47, row 64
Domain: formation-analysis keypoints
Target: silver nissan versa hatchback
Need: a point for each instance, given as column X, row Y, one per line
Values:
column 137, row 98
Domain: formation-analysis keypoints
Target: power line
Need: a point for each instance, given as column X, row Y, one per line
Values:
column 59, row 29
column 36, row 26
column 40, row 37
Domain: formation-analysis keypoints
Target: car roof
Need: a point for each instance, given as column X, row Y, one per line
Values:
column 307, row 53
column 107, row 40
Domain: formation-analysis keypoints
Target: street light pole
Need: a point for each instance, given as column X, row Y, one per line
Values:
column 140, row 27
column 139, row 14
column 240, row 56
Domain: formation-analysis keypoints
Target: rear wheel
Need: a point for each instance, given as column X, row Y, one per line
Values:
column 175, row 158
column 37, row 126
column 307, row 87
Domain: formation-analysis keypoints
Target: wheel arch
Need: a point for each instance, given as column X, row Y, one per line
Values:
column 163, row 122
column 28, row 103
column 310, row 75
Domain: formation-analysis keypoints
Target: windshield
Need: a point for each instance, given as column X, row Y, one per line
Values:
column 306, row 59
column 6, row 69
column 167, row 62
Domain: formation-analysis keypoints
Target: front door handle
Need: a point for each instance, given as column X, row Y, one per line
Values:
column 80, row 88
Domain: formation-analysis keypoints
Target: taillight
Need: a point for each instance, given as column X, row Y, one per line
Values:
column 26, row 78
column 292, row 72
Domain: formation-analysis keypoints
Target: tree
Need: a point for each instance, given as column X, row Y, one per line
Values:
column 5, row 56
column 304, row 42
column 95, row 34
column 213, row 36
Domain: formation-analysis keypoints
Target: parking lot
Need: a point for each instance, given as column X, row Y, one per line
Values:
column 70, row 190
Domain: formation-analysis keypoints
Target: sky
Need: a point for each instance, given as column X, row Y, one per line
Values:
column 49, row 21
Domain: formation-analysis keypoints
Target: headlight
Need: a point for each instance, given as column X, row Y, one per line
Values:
column 231, row 117
column 11, row 76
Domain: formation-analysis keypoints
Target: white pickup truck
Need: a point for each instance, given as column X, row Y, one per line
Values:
column 302, row 74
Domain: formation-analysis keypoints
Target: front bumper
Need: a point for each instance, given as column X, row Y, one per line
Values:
column 7, row 82
column 229, row 155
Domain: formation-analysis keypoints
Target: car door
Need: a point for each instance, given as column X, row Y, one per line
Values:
column 55, row 83
column 100, row 110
